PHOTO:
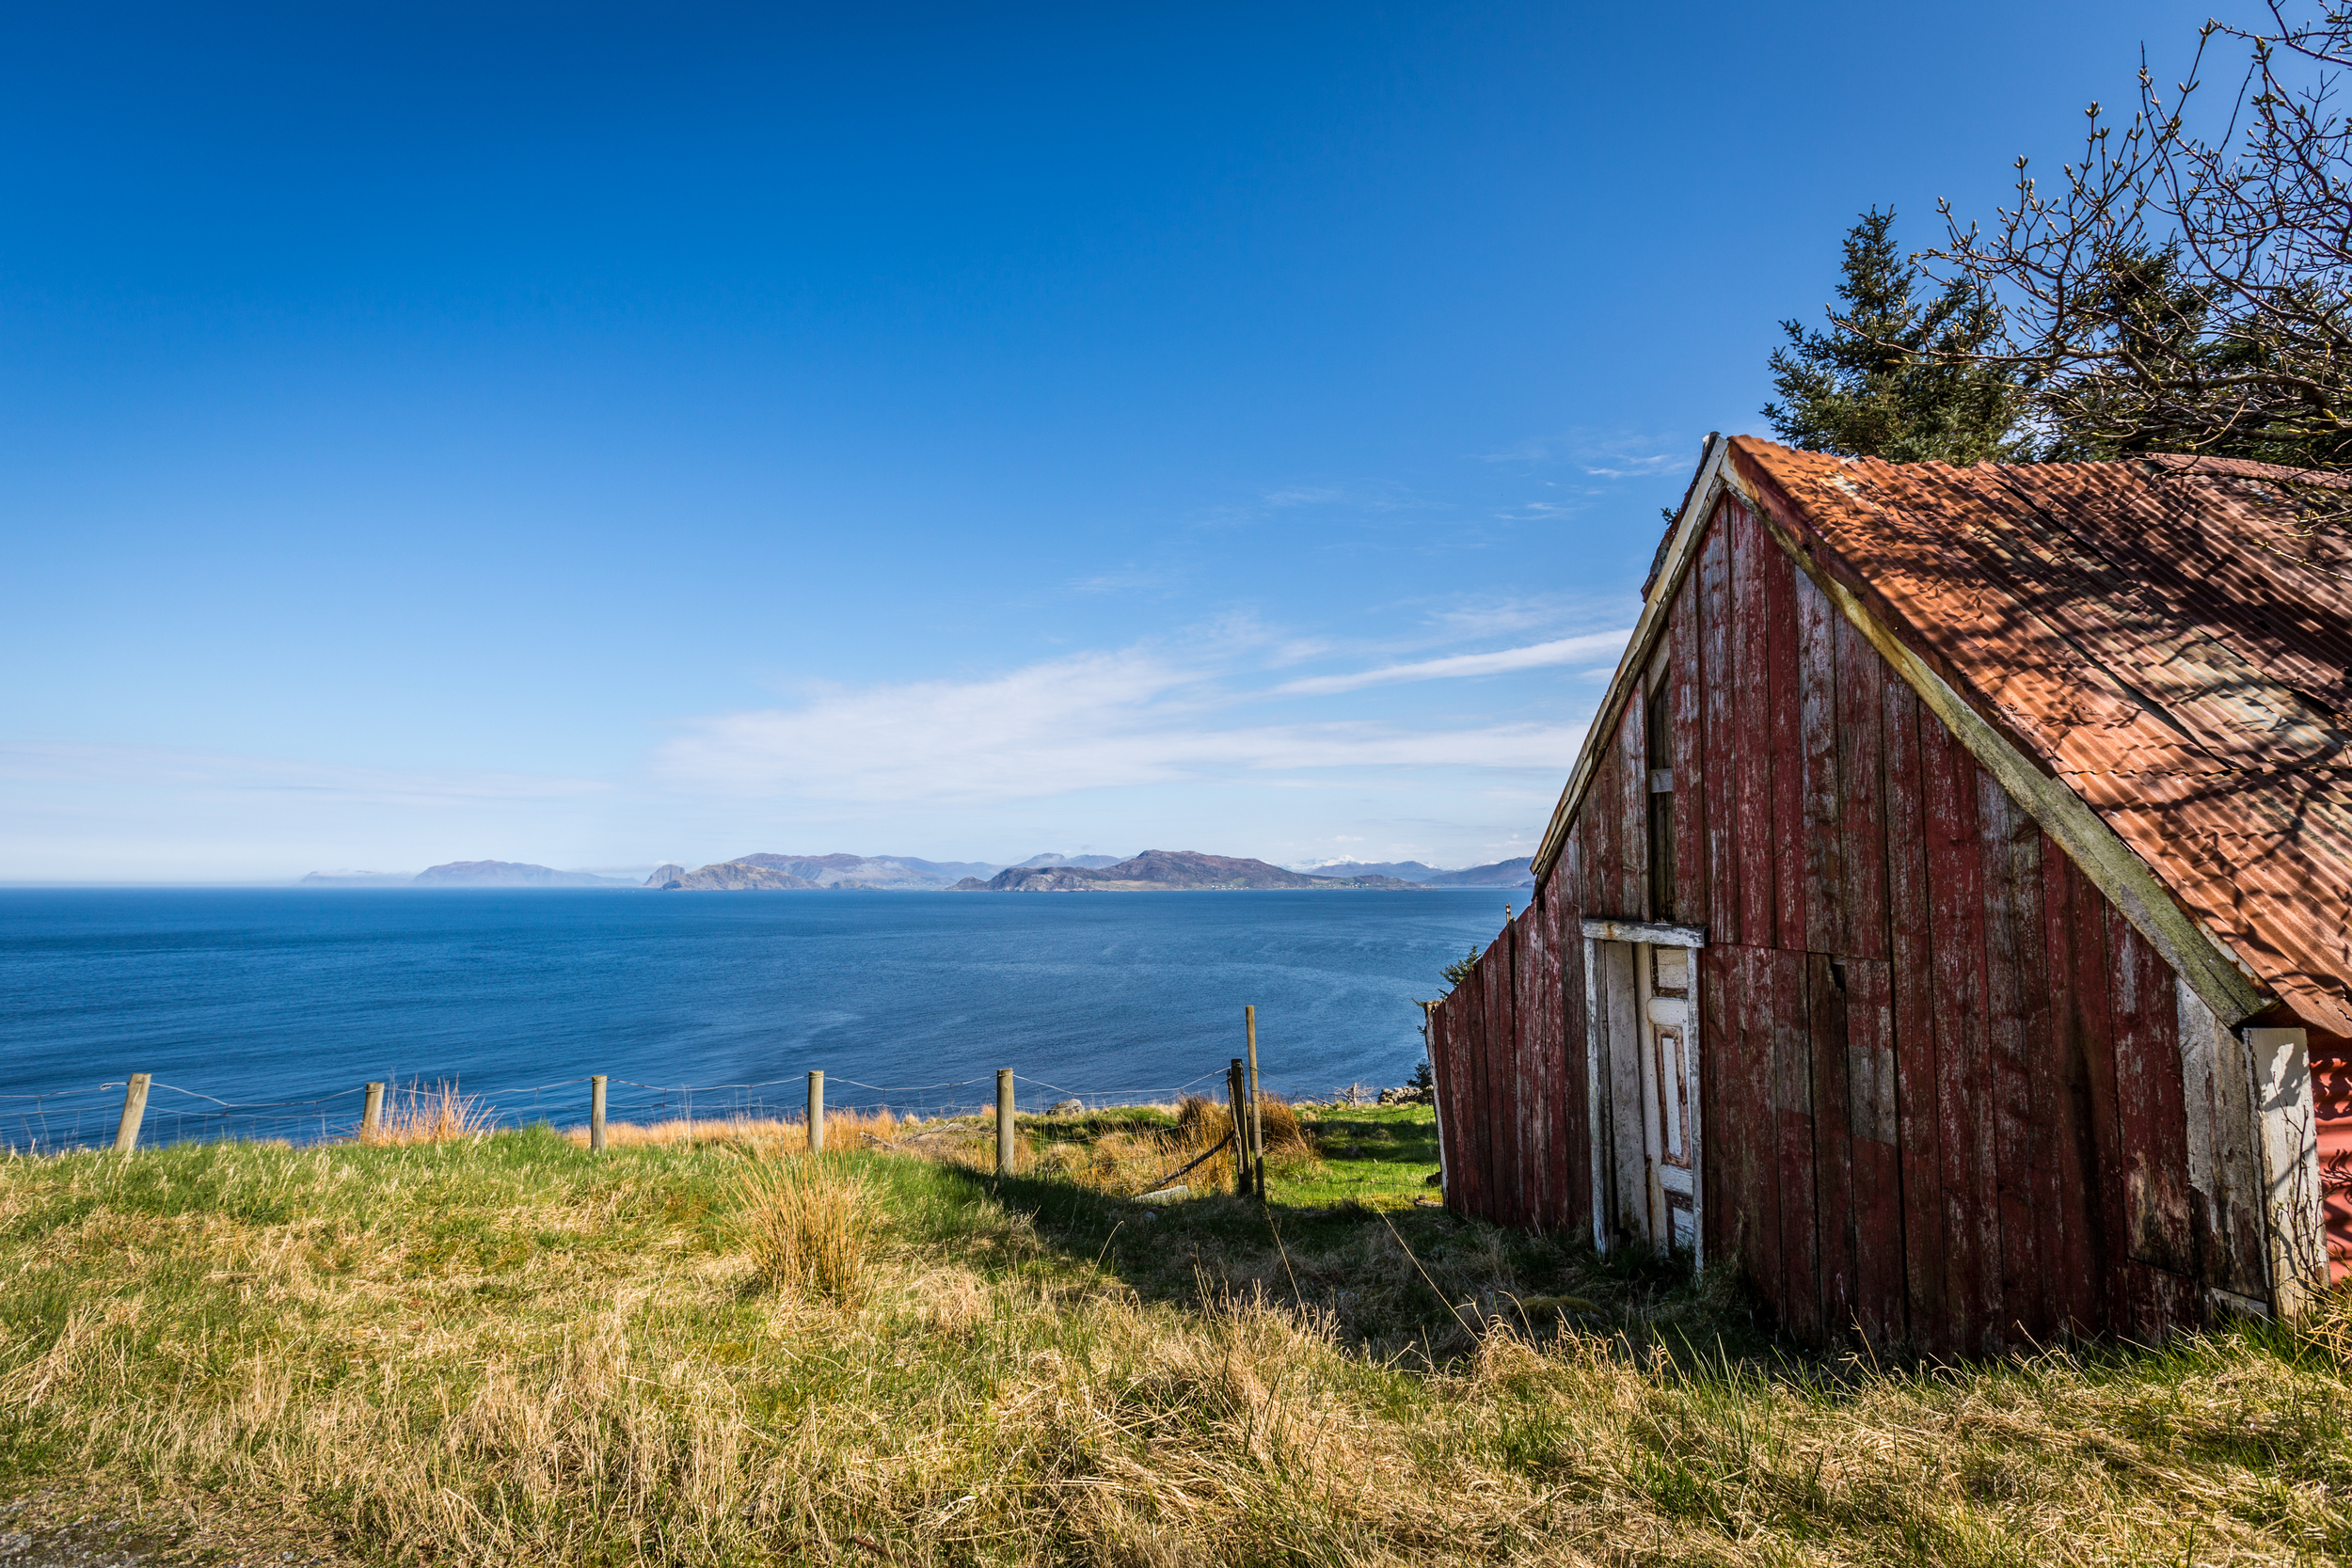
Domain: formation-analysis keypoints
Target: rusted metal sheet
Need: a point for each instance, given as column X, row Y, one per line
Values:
column 2163, row 637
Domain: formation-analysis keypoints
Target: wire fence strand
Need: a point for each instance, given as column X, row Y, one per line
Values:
column 85, row 1117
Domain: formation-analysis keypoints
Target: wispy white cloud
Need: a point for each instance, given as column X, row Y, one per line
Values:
column 1565, row 649
column 1478, row 620
column 1091, row 722
column 1125, row 579
column 1599, row 456
column 1365, row 497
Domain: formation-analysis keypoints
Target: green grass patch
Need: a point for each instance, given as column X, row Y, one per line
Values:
column 508, row 1349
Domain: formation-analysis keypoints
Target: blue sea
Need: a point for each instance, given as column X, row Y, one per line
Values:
column 264, row 1012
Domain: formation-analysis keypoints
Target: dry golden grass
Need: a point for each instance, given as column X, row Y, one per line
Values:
column 507, row 1352
column 421, row 1115
column 1201, row 1117
column 808, row 1223
column 844, row 1130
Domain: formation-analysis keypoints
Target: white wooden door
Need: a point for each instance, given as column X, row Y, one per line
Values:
column 1670, row 1095
column 1642, row 1066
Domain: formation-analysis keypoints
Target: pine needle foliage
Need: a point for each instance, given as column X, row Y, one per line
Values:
column 1901, row 375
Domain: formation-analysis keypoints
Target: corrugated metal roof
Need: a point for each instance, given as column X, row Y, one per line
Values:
column 2166, row 635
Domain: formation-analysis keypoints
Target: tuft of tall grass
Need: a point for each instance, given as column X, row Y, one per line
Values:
column 437, row 1115
column 1200, row 1118
column 808, row 1221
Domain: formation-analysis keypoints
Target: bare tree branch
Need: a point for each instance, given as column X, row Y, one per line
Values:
column 2189, row 289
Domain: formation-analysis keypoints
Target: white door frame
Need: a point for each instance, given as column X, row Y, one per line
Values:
column 1597, row 1081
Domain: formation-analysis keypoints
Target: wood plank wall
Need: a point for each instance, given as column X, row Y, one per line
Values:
column 1513, row 1101
column 1942, row 1101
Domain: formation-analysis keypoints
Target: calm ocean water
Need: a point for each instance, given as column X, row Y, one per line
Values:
column 260, row 998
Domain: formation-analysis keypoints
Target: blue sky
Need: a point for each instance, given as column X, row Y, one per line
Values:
column 599, row 435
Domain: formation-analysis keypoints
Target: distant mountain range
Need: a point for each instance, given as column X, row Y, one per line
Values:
column 1404, row 871
column 1165, row 871
column 1518, row 873
column 1155, row 870
column 469, row 874
column 852, row 873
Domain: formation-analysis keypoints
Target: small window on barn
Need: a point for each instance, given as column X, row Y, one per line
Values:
column 1662, row 804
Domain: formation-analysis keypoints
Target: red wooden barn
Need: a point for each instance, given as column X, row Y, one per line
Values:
column 1946, row 920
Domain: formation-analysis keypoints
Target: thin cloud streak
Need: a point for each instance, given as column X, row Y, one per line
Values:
column 1091, row 722
column 1565, row 650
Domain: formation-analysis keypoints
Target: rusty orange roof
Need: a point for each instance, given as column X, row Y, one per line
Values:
column 2163, row 634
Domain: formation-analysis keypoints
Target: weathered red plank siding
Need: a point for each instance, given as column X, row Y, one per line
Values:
column 1972, row 1246
column 1686, row 699
column 1751, row 737
column 1821, row 844
column 1493, row 980
column 2079, row 1252
column 2332, row 1098
column 1832, row 1141
column 2152, row 1114
column 1714, row 749
column 1879, row 1306
column 1572, row 1157
column 1631, row 805
column 2017, row 1037
column 1779, row 694
column 1911, row 974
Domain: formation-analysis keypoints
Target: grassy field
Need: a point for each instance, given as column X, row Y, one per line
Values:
column 503, row 1349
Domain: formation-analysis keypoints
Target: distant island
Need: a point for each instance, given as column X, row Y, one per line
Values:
column 469, row 874
column 1515, row 873
column 1153, row 871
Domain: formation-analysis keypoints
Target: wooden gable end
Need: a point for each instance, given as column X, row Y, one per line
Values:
column 1950, row 1098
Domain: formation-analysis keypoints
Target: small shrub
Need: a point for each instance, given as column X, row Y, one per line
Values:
column 1461, row 968
column 808, row 1226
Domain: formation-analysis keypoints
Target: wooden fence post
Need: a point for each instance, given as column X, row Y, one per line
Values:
column 1257, row 1124
column 371, row 1114
column 1004, row 1121
column 595, row 1114
column 816, row 1111
column 134, row 1112
column 1236, row 1097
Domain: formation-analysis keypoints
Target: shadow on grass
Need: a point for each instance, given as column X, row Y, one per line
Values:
column 1415, row 1281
